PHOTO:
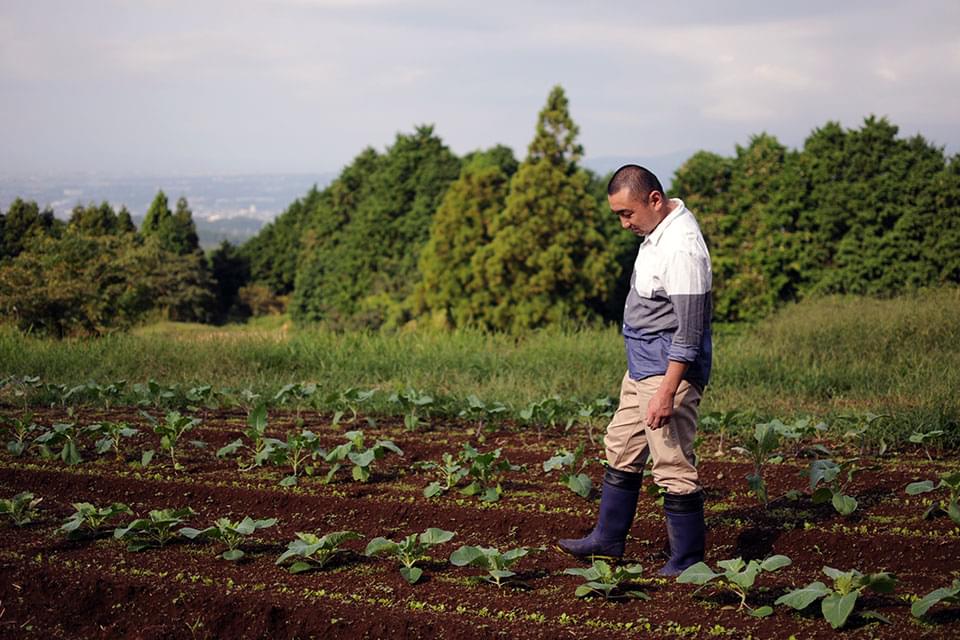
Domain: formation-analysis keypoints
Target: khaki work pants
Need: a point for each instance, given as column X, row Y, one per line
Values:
column 629, row 442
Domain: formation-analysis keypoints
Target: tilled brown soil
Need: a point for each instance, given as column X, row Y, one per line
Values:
column 52, row 587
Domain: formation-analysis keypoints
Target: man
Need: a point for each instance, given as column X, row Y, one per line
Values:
column 666, row 330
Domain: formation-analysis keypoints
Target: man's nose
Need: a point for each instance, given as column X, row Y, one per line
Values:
column 625, row 223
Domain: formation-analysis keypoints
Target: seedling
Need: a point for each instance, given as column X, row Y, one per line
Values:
column 297, row 393
column 412, row 402
column 349, row 400
column 87, row 519
column 800, row 430
column 259, row 448
column 611, row 583
column 948, row 481
column 485, row 471
column 451, row 473
column 546, row 412
column 571, row 465
column 64, row 435
column 761, row 449
column 946, row 595
column 410, row 550
column 603, row 407
column 20, row 387
column 112, row 433
column 720, row 422
column 838, row 602
column 736, row 576
column 495, row 563
column 21, row 509
column 202, row 396
column 861, row 429
column 153, row 393
column 362, row 458
column 108, row 394
column 481, row 413
column 828, row 473
column 21, row 429
column 921, row 438
column 312, row 552
column 229, row 533
column 170, row 431
column 156, row 530
column 297, row 451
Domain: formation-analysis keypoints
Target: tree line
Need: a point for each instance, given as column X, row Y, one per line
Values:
column 415, row 236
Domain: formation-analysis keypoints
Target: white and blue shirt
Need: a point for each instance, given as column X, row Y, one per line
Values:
column 669, row 306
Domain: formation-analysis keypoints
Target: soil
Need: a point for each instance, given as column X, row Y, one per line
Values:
column 52, row 587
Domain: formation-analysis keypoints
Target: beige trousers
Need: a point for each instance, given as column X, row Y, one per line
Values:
column 629, row 442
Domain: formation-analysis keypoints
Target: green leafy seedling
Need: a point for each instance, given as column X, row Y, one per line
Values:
column 87, row 519
column 153, row 393
column 171, row 430
column 230, row 533
column 21, row 430
column 837, row 602
column 949, row 482
column 63, row 435
column 946, row 595
column 736, row 576
column 918, row 437
column 481, row 413
column 21, row 509
column 496, row 564
column 297, row 452
column 720, row 422
column 111, row 434
column 361, row 457
column 451, row 472
column 259, row 447
column 350, row 400
column 412, row 403
column 156, row 530
column 410, row 550
column 298, row 393
column 571, row 465
column 602, row 579
column 828, row 474
column 761, row 449
column 485, row 471
column 312, row 552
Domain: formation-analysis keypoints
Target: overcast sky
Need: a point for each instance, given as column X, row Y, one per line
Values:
column 270, row 86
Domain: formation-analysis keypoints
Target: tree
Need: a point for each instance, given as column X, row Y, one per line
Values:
column 231, row 271
column 24, row 224
column 547, row 263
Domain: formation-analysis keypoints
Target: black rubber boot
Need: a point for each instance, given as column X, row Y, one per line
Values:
column 685, row 530
column 618, row 504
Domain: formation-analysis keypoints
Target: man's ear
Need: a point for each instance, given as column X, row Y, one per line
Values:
column 656, row 199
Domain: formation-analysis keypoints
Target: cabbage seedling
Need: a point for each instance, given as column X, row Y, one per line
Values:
column 411, row 402
column 410, row 550
column 170, row 431
column 21, row 430
column 298, row 393
column 112, row 433
column 156, row 530
column 22, row 508
column 761, row 449
column 571, row 465
column 495, row 563
column 348, row 400
column 259, row 448
column 485, row 470
column 947, row 595
column 720, row 422
column 451, row 473
column 312, row 552
column 736, row 576
column 921, row 438
column 948, row 481
column 828, row 473
column 87, row 519
column 296, row 452
column 153, row 393
column 229, row 533
column 838, row 602
column 611, row 583
column 479, row 411
column 362, row 458
column 64, row 435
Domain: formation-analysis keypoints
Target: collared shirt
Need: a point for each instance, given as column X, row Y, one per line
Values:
column 668, row 309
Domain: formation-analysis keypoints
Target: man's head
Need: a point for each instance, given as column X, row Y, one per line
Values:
column 636, row 195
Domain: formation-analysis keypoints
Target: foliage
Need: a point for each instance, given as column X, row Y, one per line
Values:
column 21, row 508
column 229, row 533
column 312, row 552
column 21, row 430
column 761, row 449
column 410, row 550
column 950, row 481
column 481, row 412
column 720, row 422
column 259, row 447
column 839, row 600
column 921, row 437
column 348, row 399
column 736, row 576
column 65, row 435
column 112, row 433
column 172, row 428
column 358, row 454
column 602, row 579
column 412, row 402
column 451, row 473
column 946, row 595
column 298, row 393
column 297, row 451
column 495, row 563
column 828, row 473
column 484, row 471
column 87, row 519
column 156, row 530
column 571, row 465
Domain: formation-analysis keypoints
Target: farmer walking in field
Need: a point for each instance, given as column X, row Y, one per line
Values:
column 666, row 329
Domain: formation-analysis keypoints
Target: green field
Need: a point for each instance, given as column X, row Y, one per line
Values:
column 821, row 358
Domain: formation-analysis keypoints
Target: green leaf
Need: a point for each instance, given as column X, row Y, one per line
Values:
column 289, row 481
column 466, row 555
column 232, row 555
column 837, row 608
column 146, row 457
column 300, row 567
column 845, row 505
column 435, row 536
column 192, row 534
column 761, row 612
column 881, row 582
column 381, row 545
column 411, row 574
column 699, row 573
column 580, row 484
column 953, row 510
column 432, row 490
column 802, row 598
column 775, row 562
column 70, row 454
column 583, row 590
column 360, row 474
column 920, row 607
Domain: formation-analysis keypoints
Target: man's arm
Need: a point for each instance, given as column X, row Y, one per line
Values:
column 660, row 407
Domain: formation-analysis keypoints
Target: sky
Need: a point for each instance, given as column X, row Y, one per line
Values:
column 204, row 87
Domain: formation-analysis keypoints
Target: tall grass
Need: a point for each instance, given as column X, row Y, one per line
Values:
column 822, row 357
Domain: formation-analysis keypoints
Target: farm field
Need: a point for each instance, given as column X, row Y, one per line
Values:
column 52, row 586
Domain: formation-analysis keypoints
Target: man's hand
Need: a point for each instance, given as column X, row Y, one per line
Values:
column 659, row 409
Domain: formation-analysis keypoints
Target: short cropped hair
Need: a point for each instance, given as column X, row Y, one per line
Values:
column 639, row 180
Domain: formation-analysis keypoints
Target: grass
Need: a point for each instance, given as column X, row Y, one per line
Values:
column 823, row 358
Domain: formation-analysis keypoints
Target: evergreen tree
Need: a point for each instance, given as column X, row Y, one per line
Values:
column 94, row 220
column 230, row 270
column 547, row 263
column 157, row 214
column 25, row 224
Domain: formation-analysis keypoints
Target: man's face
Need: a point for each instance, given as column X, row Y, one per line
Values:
column 639, row 217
